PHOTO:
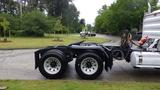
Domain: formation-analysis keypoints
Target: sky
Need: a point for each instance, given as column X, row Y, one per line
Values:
column 89, row 8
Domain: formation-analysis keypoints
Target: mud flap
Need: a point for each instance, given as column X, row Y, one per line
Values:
column 108, row 64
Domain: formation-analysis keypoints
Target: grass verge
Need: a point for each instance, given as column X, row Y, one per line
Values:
column 78, row 85
column 23, row 42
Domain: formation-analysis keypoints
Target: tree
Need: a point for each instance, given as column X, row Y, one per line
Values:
column 5, row 25
column 51, row 23
column 122, row 15
column 14, row 23
column 9, row 6
column 89, row 27
column 70, row 18
column 34, row 24
column 63, row 9
column 104, row 7
column 58, row 27
column 154, row 4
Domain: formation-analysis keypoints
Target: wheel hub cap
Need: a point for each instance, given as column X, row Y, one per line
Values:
column 89, row 66
column 52, row 65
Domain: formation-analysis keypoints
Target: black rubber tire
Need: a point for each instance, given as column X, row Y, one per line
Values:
column 61, row 58
column 81, row 73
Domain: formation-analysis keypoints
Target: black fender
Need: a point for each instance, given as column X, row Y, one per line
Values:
column 109, row 58
column 60, row 49
column 100, row 50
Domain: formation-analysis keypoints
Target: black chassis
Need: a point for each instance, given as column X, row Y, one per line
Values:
column 74, row 50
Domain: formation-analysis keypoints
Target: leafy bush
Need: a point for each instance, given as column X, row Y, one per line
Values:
column 34, row 24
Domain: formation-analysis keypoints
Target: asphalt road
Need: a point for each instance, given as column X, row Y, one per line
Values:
column 19, row 65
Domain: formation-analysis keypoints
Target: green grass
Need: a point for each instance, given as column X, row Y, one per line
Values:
column 78, row 85
column 24, row 42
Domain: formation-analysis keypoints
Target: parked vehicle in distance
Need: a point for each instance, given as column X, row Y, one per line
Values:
column 91, row 34
column 88, row 33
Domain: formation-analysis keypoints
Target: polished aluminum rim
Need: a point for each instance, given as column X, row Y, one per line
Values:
column 89, row 65
column 52, row 65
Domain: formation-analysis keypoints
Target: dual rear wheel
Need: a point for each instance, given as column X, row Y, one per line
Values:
column 89, row 66
column 53, row 65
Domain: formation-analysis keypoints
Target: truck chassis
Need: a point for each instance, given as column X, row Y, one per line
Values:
column 90, row 58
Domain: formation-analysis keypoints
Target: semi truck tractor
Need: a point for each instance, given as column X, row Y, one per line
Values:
column 91, row 58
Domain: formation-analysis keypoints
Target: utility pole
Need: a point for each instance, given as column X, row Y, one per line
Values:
column 149, row 7
column 20, row 1
column 20, row 12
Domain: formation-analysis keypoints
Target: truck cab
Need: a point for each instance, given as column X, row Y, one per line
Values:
column 148, row 57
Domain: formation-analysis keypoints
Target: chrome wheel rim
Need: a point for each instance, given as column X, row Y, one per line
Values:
column 89, row 65
column 52, row 65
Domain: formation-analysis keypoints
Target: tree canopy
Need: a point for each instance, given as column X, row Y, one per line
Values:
column 40, row 16
column 122, row 15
